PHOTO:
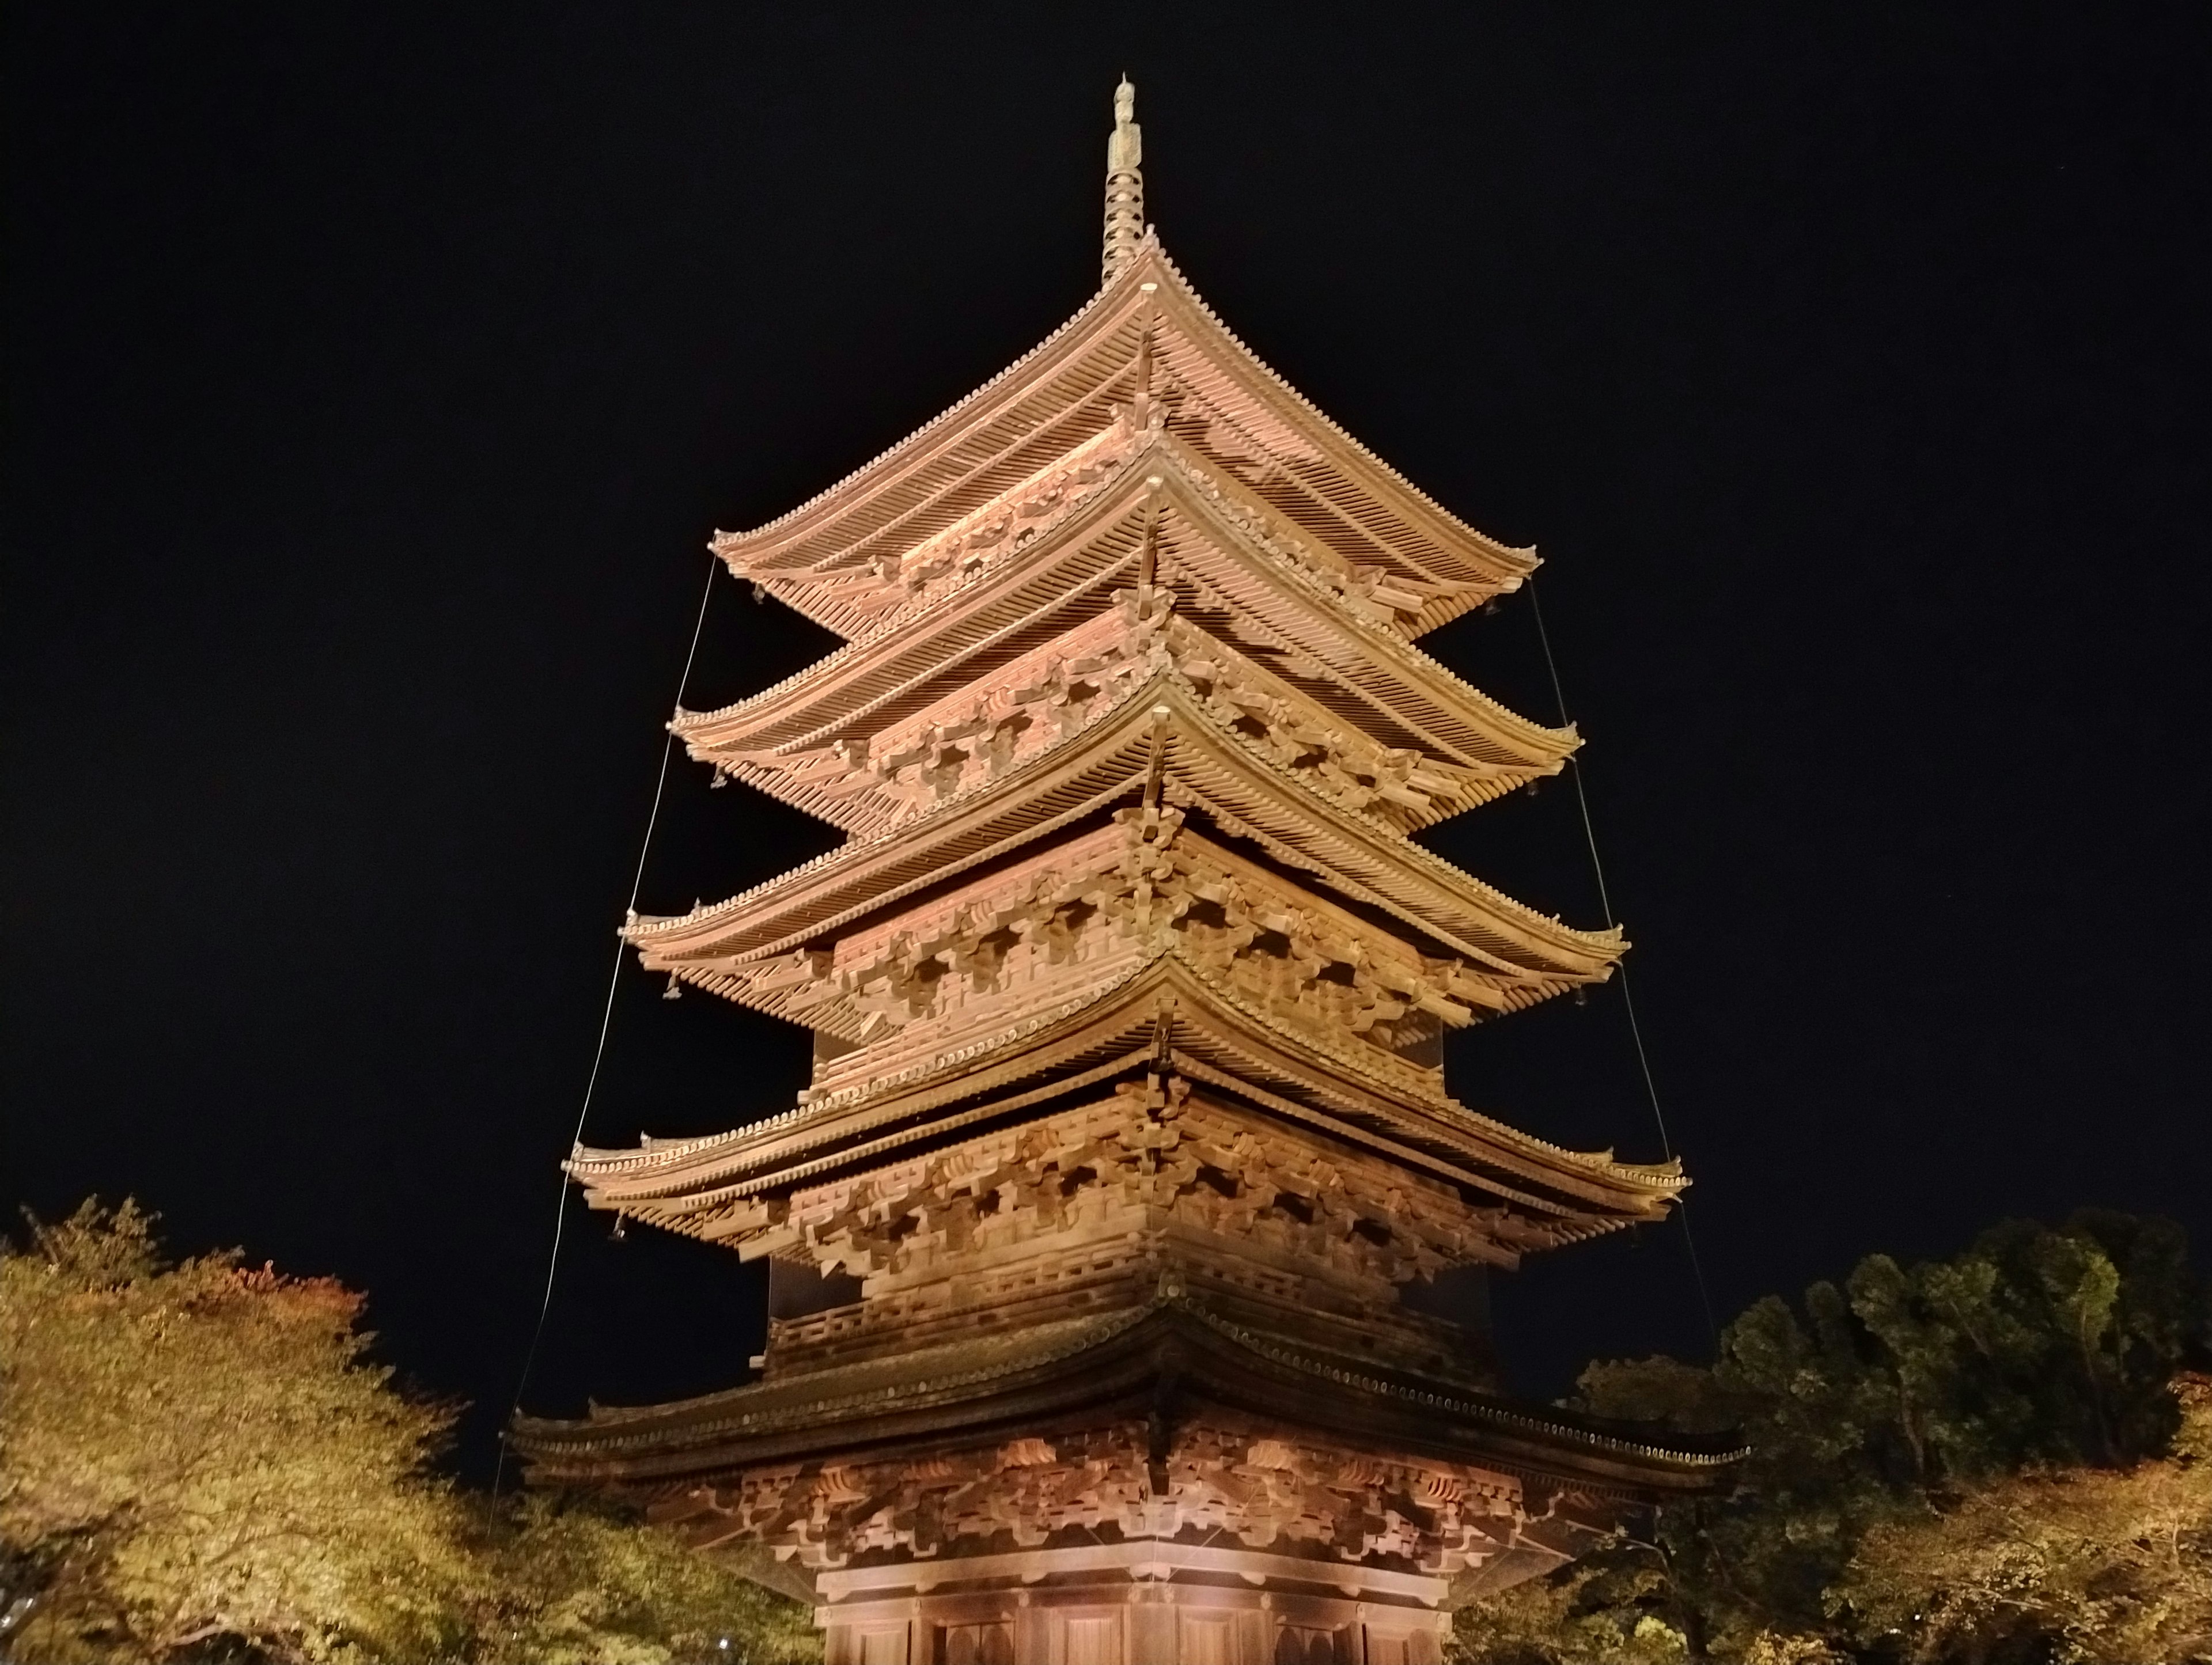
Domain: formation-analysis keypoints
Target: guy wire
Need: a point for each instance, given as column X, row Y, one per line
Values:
column 606, row 1022
column 1621, row 972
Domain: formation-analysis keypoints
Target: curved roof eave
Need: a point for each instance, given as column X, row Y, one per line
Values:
column 1083, row 1359
column 1446, row 883
column 1507, row 563
column 774, row 1153
column 1196, row 491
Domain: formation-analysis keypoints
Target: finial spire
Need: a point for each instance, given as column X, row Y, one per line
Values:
column 1125, row 185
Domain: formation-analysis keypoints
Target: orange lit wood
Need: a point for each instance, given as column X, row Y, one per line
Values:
column 1127, row 1246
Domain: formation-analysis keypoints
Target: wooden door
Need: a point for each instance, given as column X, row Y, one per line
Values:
column 1205, row 1639
column 1090, row 1639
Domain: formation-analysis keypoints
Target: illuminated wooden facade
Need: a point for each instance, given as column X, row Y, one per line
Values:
column 1126, row 1250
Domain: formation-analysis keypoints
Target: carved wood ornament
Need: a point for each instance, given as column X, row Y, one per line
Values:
column 1126, row 1247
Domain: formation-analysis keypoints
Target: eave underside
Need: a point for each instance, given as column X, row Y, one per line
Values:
column 1172, row 1358
column 923, row 979
column 1261, row 610
column 1166, row 1019
column 1193, row 761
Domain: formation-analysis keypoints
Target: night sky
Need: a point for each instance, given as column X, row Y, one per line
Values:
column 375, row 374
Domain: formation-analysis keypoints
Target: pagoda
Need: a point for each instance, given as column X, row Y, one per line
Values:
column 1126, row 1253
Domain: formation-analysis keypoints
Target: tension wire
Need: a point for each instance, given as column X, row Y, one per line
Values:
column 1620, row 971
column 606, row 1022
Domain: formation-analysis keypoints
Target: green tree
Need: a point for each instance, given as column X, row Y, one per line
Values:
column 1884, row 1402
column 1606, row 1609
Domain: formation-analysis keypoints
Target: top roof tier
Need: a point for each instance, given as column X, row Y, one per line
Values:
column 1146, row 352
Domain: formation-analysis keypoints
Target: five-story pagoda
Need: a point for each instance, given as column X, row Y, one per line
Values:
column 1127, row 1251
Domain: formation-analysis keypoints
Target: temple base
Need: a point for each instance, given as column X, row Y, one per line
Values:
column 1154, row 1486
column 1141, row 1602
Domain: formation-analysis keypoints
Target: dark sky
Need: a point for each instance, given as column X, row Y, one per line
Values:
column 376, row 373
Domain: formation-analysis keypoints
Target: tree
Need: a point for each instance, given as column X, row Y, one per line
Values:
column 2084, row 1566
column 201, row 1450
column 1885, row 1401
column 200, row 1460
column 581, row 1582
column 1603, row 1610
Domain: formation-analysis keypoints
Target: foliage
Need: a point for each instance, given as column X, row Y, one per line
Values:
column 199, row 1460
column 582, row 1584
column 200, row 1450
column 1903, row 1399
column 2082, row 1565
column 1604, row 1610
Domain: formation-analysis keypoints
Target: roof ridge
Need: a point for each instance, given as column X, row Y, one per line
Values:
column 1594, row 1161
column 612, row 1428
column 1101, row 1329
column 1608, row 938
column 1412, row 661
column 1526, row 552
column 894, row 624
column 822, row 1106
column 722, row 541
column 1157, row 964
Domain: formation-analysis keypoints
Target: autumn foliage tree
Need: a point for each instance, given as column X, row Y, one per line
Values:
column 2095, row 1565
column 576, row 1581
column 199, row 1450
column 199, row 1459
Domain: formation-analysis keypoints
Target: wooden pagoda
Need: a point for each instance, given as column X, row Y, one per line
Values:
column 1126, row 1251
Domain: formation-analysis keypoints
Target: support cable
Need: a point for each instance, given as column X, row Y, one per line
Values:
column 606, row 1022
column 1621, row 972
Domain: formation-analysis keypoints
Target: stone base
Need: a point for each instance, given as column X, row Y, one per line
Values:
column 1130, row 1603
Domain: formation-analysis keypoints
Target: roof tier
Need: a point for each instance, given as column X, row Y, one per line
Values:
column 1164, row 739
column 918, row 976
column 1165, row 1015
column 1145, row 344
column 1171, row 1361
column 1155, row 562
